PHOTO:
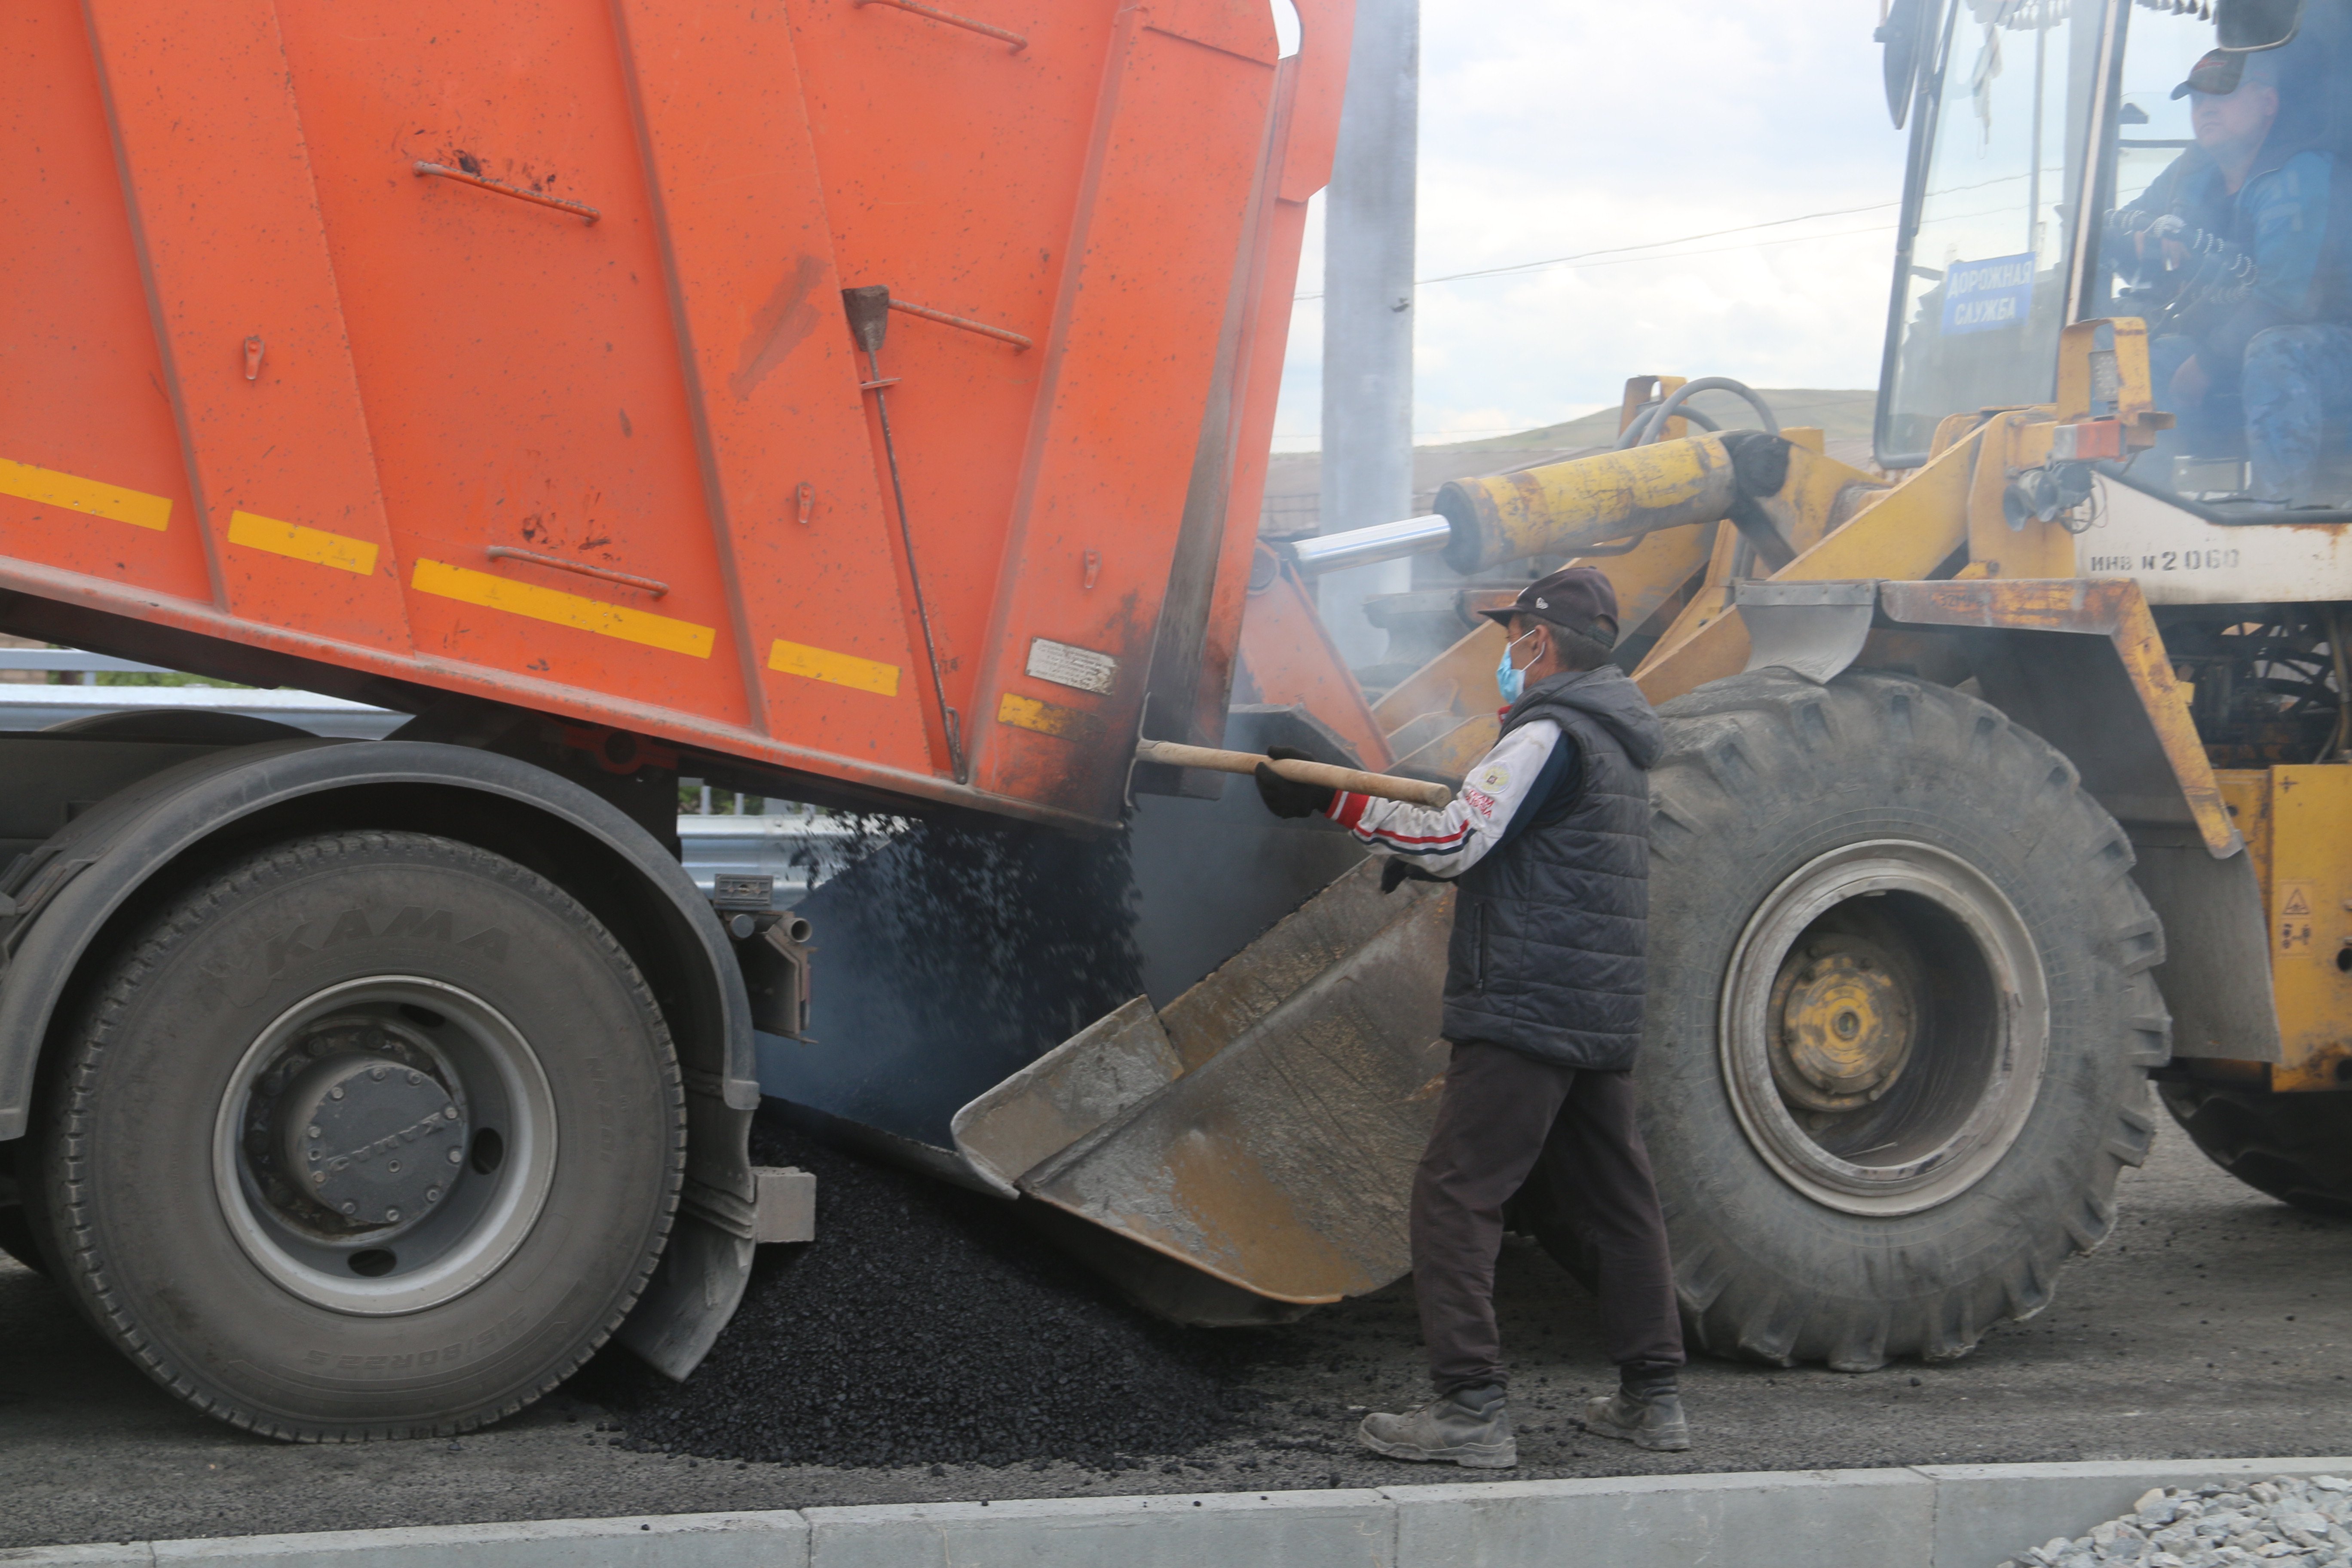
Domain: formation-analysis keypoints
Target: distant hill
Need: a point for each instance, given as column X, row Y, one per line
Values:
column 1842, row 416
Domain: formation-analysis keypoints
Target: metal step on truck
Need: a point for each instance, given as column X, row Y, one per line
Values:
column 866, row 405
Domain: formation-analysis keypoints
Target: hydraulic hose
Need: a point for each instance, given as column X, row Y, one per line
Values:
column 1643, row 422
column 1643, row 431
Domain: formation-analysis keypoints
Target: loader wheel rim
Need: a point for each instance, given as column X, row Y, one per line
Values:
column 384, row 1145
column 1884, row 1024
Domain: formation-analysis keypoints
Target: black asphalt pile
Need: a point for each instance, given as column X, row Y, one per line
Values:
column 929, row 1325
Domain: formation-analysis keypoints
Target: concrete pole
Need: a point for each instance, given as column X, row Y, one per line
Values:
column 1368, row 312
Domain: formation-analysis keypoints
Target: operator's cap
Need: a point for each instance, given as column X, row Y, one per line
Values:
column 1579, row 598
column 2219, row 73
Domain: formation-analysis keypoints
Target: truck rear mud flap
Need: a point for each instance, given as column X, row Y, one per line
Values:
column 1246, row 1151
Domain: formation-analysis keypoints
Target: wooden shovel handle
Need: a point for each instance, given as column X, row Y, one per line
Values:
column 1387, row 786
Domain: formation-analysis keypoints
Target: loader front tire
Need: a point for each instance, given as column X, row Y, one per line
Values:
column 2295, row 1147
column 1899, row 1021
column 370, row 1134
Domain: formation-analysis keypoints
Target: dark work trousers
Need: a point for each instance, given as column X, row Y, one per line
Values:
column 1500, row 1113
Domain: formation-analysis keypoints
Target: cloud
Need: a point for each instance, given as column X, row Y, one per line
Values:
column 1553, row 128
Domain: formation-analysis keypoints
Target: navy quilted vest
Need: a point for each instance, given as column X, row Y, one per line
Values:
column 1550, row 932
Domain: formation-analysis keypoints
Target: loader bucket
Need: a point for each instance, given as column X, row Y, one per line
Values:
column 1263, row 1127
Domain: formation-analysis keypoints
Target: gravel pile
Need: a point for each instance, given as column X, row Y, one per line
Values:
column 2281, row 1521
column 928, row 1325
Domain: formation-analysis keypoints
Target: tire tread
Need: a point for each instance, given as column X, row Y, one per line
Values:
column 69, row 1222
column 1727, row 740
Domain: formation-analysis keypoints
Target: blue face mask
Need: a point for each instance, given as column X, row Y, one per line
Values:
column 1510, row 681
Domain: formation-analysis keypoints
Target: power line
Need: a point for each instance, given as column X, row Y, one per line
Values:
column 1655, row 245
column 1620, row 249
column 1727, row 250
column 1754, row 244
column 1419, row 435
column 1519, row 266
column 1793, row 239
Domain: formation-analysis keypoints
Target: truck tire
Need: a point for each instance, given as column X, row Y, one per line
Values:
column 2295, row 1147
column 371, row 1134
column 1899, row 1021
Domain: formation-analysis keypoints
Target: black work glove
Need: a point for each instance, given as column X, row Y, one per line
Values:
column 1288, row 798
column 1396, row 872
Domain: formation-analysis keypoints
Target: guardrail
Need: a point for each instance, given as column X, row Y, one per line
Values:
column 74, row 661
column 28, row 705
column 798, row 847
column 800, row 850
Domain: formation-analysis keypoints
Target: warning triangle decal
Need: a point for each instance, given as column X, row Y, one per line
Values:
column 2297, row 904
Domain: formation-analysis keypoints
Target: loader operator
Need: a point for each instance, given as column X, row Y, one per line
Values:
column 2247, row 233
column 1548, row 843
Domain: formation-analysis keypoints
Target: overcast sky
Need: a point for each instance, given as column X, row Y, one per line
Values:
column 1554, row 127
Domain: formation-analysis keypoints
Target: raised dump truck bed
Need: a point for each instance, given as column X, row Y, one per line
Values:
column 860, row 402
column 503, row 351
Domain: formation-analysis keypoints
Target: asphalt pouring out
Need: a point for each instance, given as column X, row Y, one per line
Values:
column 950, row 954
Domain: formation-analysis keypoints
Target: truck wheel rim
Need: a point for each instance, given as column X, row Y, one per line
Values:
column 384, row 1145
column 1885, row 1023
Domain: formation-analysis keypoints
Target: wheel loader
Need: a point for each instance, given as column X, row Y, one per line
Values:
column 2006, row 773
column 818, row 400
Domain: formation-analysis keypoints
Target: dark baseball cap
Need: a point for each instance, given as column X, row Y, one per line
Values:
column 1581, row 598
column 2219, row 73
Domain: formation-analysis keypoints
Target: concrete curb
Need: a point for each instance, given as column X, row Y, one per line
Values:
column 1940, row 1516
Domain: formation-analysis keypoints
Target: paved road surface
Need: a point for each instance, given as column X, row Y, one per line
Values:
column 2216, row 1322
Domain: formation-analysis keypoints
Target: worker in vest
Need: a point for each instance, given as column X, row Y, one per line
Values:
column 1549, row 845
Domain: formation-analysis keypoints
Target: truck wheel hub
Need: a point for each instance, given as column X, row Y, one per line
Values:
column 372, row 1138
column 1844, row 1024
column 386, row 1145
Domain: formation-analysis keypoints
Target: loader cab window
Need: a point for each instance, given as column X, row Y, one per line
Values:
column 1980, row 290
column 2230, row 233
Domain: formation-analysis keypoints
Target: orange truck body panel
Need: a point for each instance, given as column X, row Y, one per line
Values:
column 263, row 380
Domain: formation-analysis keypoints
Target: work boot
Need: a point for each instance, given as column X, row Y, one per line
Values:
column 1646, row 1412
column 1470, row 1426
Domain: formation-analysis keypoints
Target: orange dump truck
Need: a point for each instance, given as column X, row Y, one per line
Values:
column 859, row 401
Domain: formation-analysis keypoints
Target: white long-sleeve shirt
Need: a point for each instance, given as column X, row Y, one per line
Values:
column 1505, row 790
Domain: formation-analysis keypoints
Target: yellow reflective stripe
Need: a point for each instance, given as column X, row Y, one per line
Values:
column 1047, row 717
column 841, row 669
column 54, row 489
column 315, row 545
column 469, row 586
